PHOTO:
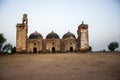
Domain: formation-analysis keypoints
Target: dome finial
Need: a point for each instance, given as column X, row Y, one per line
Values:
column 52, row 31
column 24, row 19
column 82, row 22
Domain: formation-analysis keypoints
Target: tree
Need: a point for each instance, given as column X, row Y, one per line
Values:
column 113, row 45
column 2, row 41
column 90, row 48
column 103, row 50
column 13, row 50
column 4, row 47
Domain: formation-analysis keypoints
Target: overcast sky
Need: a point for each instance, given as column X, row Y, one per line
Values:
column 61, row 16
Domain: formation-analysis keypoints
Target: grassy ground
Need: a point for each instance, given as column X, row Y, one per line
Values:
column 90, row 66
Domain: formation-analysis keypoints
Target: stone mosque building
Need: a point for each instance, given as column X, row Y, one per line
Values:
column 35, row 43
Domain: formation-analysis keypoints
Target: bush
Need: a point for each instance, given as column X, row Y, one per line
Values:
column 113, row 45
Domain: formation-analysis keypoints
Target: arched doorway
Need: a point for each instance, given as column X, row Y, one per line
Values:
column 53, row 50
column 71, row 49
column 34, row 50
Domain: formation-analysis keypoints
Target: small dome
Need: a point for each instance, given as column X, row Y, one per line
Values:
column 52, row 35
column 69, row 35
column 35, row 35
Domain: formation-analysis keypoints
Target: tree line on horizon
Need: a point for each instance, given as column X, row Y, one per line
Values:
column 6, row 47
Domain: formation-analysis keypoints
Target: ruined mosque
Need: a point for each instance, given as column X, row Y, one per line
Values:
column 35, row 43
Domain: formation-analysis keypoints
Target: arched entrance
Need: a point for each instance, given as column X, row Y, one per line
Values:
column 71, row 49
column 34, row 50
column 53, row 50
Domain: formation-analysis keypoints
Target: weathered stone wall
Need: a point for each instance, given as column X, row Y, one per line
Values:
column 21, row 38
column 44, row 46
column 70, row 45
column 34, row 43
column 62, row 45
column 52, row 43
column 83, row 41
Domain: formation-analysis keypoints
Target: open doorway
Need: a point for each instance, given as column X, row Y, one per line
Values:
column 71, row 49
column 53, row 50
column 34, row 50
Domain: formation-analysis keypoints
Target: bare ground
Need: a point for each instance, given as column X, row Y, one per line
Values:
column 90, row 66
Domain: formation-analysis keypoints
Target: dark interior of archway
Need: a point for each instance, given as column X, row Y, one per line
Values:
column 71, row 49
column 34, row 50
column 53, row 50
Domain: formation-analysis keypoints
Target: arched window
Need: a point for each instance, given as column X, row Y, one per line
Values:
column 34, row 43
column 53, row 43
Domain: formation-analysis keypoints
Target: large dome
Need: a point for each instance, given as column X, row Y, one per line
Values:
column 35, row 35
column 52, row 35
column 69, row 35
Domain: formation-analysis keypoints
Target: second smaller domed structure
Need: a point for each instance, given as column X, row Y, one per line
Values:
column 35, row 35
column 69, row 35
column 52, row 35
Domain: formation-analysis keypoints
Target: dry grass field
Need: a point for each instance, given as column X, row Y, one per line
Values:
column 69, row 66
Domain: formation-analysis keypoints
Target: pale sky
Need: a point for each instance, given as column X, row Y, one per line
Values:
column 61, row 16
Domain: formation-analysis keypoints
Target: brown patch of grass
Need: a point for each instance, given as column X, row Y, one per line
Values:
column 60, row 66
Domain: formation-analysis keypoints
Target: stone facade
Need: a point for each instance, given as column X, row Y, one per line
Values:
column 52, row 43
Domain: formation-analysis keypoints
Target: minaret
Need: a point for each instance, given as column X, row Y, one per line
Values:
column 83, row 38
column 21, row 35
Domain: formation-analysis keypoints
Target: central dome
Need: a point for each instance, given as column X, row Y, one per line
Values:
column 35, row 35
column 52, row 35
column 69, row 35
